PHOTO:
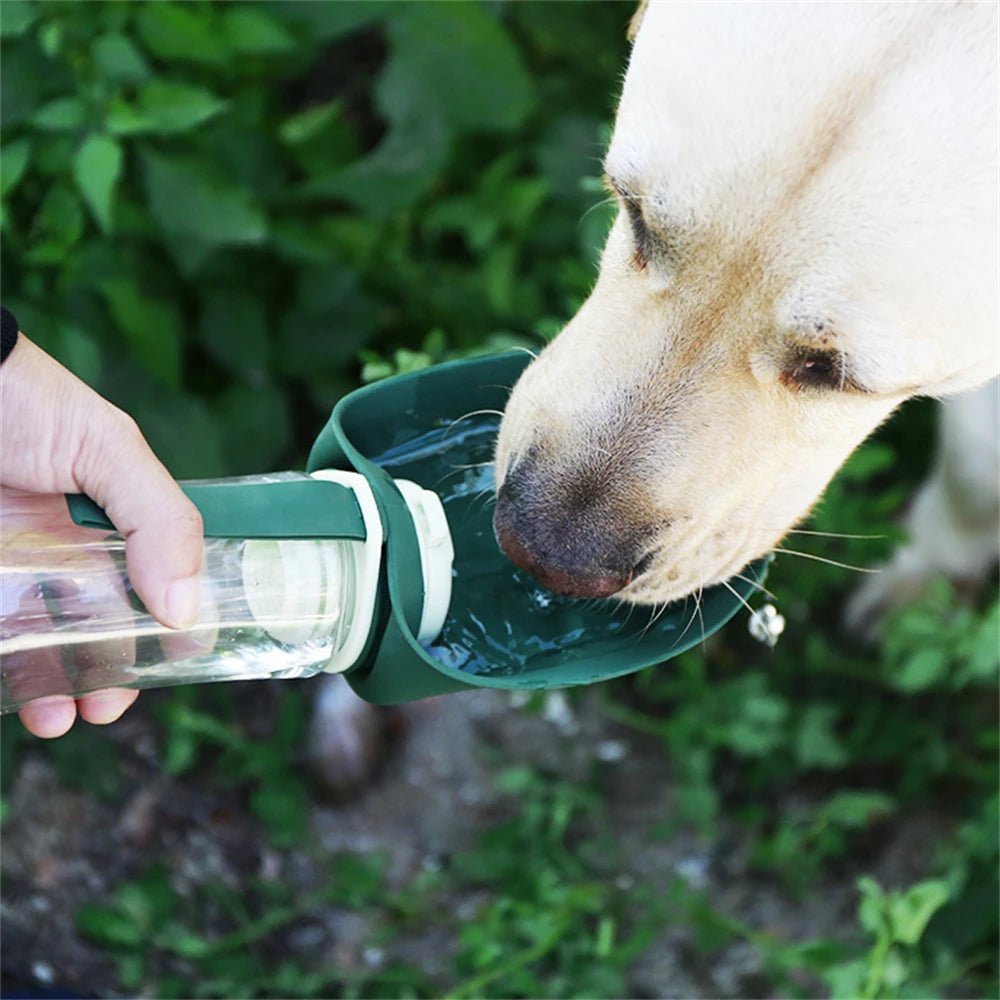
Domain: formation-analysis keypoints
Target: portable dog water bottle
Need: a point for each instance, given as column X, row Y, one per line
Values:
column 380, row 564
column 290, row 586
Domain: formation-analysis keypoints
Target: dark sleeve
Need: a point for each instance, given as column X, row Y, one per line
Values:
column 8, row 334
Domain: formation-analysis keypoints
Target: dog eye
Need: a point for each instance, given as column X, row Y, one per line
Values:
column 641, row 236
column 640, row 231
column 817, row 370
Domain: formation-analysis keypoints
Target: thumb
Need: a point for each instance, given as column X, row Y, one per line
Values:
column 162, row 528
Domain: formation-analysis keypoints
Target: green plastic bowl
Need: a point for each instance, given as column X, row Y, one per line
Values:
column 436, row 427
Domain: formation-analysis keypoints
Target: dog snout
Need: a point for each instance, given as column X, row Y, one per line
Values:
column 572, row 547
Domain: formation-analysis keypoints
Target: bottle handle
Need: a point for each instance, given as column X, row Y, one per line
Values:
column 290, row 508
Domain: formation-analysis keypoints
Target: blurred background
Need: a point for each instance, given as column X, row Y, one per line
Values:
column 224, row 216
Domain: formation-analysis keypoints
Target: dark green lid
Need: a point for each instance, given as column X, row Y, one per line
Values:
column 501, row 630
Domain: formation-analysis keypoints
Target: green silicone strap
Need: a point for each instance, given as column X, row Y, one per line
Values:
column 295, row 508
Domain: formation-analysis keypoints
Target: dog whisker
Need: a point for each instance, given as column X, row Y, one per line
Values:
column 832, row 534
column 527, row 350
column 654, row 617
column 690, row 622
column 600, row 204
column 631, row 610
column 738, row 596
column 473, row 465
column 829, row 562
column 701, row 617
column 756, row 584
column 469, row 415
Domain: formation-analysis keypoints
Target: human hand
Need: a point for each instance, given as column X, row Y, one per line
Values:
column 59, row 436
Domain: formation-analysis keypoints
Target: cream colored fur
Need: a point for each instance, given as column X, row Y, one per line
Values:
column 814, row 178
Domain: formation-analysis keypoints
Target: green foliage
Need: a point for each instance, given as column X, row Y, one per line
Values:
column 205, row 204
column 558, row 927
column 938, row 643
column 896, row 921
column 269, row 770
column 171, row 944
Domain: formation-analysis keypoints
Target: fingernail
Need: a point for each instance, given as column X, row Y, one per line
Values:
column 183, row 602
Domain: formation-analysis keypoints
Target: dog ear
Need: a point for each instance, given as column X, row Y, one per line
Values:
column 636, row 22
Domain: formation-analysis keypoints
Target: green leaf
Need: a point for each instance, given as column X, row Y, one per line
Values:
column 28, row 79
column 282, row 806
column 180, row 750
column 150, row 900
column 164, row 107
column 847, row 979
column 97, row 168
column 911, row 912
column 398, row 172
column 452, row 67
column 187, row 202
column 64, row 114
column 455, row 57
column 51, row 37
column 252, row 32
column 182, row 32
column 107, row 925
column 983, row 658
column 921, row 670
column 869, row 459
column 817, row 743
column 871, row 910
column 131, row 968
column 14, row 159
column 122, row 118
column 183, row 942
column 322, row 22
column 118, row 59
column 57, row 226
column 308, row 124
column 759, row 728
column 16, row 17
column 855, row 810
column 516, row 780
column 151, row 326
column 172, row 106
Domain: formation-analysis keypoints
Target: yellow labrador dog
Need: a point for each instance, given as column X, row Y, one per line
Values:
column 807, row 236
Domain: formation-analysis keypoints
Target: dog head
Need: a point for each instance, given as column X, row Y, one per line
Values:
column 806, row 237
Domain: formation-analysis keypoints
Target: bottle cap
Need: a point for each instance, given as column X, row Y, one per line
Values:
column 437, row 556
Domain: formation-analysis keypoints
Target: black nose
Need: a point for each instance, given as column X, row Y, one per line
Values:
column 571, row 540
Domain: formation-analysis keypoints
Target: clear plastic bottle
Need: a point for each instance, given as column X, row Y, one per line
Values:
column 70, row 622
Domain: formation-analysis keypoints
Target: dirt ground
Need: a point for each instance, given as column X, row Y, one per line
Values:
column 61, row 848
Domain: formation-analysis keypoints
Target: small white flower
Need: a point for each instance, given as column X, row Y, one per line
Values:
column 766, row 625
